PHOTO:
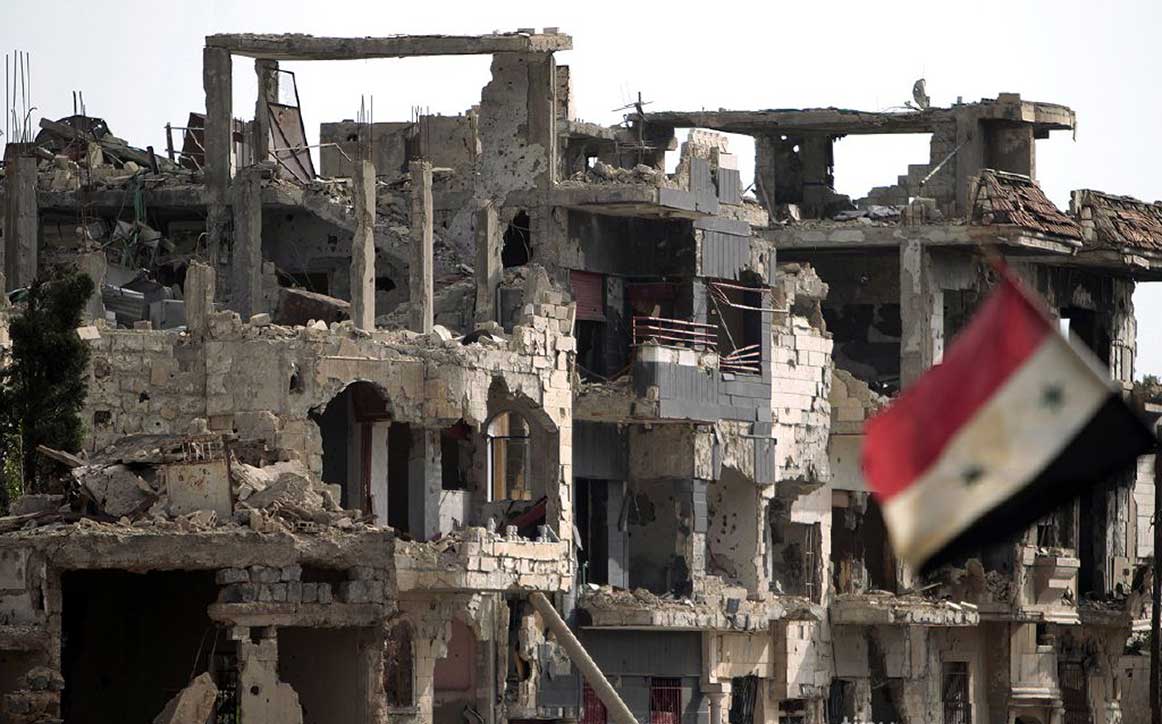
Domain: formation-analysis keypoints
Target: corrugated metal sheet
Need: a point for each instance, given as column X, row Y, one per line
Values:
column 729, row 186
column 588, row 293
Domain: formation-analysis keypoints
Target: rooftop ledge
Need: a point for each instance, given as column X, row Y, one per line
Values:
column 887, row 609
column 296, row 46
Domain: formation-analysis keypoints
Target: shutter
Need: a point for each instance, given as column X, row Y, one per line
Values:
column 588, row 292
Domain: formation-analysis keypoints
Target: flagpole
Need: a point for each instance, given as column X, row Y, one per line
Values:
column 1156, row 607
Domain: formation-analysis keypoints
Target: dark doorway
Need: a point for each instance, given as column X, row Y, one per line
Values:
column 325, row 668
column 517, row 249
column 133, row 641
column 399, row 451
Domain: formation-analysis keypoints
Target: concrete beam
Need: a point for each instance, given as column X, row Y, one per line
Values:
column 267, row 72
column 246, row 262
column 489, row 270
column 363, row 247
column 296, row 46
column 218, row 140
column 420, row 270
column 21, row 227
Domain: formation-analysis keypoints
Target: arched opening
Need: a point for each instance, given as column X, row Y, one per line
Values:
column 366, row 454
column 399, row 666
column 454, row 677
column 517, row 250
column 509, row 474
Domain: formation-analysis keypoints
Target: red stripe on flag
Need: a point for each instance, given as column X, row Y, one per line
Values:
column 907, row 438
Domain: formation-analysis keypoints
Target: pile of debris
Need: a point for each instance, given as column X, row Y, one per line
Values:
column 192, row 482
column 602, row 173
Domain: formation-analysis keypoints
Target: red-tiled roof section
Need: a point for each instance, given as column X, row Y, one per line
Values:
column 1007, row 198
column 1118, row 221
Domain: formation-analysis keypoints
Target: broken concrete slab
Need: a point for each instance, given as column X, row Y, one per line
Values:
column 192, row 705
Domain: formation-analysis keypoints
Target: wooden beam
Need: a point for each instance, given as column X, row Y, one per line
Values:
column 295, row 46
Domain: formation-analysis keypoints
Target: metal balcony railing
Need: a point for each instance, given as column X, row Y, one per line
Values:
column 674, row 333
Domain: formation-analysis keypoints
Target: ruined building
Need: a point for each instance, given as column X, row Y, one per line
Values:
column 495, row 417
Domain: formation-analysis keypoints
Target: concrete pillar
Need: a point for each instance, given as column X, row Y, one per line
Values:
column 267, row 72
column 4, row 312
column 263, row 697
column 363, row 246
column 921, row 311
column 218, row 140
column 199, row 295
column 617, row 543
column 718, row 704
column 489, row 271
column 246, row 262
column 379, row 468
column 95, row 265
column 21, row 226
column 542, row 114
column 425, row 481
column 420, row 271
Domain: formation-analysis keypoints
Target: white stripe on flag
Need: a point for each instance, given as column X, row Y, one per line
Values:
column 1022, row 428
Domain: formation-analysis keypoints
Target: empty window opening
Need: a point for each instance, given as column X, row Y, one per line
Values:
column 325, row 668
column 399, row 666
column 455, row 456
column 957, row 694
column 319, row 282
column 793, row 711
column 867, row 342
column 1059, row 528
column 1085, row 326
column 517, row 249
column 112, row 623
column 509, row 466
column 399, row 452
column 454, row 679
column 794, row 554
column 591, row 502
column 384, row 284
column 665, row 701
column 890, row 165
column 739, row 315
column 743, row 696
column 861, row 556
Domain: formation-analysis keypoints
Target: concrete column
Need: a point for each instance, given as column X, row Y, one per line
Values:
column 379, row 468
column 246, row 261
column 420, row 272
column 425, row 481
column 199, row 295
column 618, row 562
column 718, row 704
column 921, row 312
column 267, row 72
column 21, row 226
column 488, row 266
column 614, row 705
column 4, row 312
column 363, row 246
column 95, row 265
column 264, row 698
column 218, row 140
column 542, row 113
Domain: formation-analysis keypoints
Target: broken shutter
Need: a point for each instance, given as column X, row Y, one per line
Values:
column 588, row 292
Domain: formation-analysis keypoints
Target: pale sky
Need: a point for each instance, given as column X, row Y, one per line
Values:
column 139, row 64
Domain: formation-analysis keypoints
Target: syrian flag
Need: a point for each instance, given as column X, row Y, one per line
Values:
column 1013, row 424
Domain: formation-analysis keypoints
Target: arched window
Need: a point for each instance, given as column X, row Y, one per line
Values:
column 398, row 667
column 509, row 475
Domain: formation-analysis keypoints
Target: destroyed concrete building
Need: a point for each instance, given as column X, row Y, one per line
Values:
column 491, row 417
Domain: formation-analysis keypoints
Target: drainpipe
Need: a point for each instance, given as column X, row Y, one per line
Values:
column 577, row 653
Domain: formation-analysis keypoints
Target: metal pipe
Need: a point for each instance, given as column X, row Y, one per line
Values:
column 579, row 656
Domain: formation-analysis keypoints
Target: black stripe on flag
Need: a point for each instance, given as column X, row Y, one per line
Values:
column 1112, row 439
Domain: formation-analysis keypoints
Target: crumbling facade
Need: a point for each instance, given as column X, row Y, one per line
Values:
column 490, row 417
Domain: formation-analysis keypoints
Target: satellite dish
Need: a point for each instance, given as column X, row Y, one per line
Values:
column 920, row 95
